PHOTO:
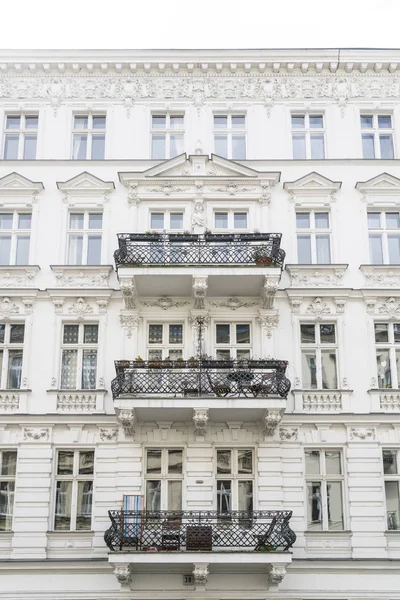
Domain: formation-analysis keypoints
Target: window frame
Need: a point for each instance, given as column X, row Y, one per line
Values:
column 9, row 479
column 391, row 345
column 22, row 132
column 313, row 232
column 165, row 347
column 233, row 347
column 395, row 477
column 85, row 232
column 164, row 476
column 234, row 476
column 230, row 220
column 383, row 232
column 317, row 347
column 376, row 132
column 308, row 131
column 80, row 346
column 167, row 131
column 5, row 348
column 167, row 219
column 90, row 132
column 14, row 233
column 230, row 132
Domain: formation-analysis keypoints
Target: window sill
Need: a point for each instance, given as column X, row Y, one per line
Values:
column 322, row 401
column 381, row 275
column 328, row 532
column 66, row 532
column 326, row 275
column 82, row 276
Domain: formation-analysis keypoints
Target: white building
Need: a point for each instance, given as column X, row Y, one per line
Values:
column 200, row 157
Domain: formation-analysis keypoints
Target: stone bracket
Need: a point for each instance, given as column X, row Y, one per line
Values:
column 200, row 574
column 129, row 292
column 200, row 420
column 123, row 573
column 276, row 573
column 127, row 418
column 199, row 286
column 268, row 291
column 272, row 418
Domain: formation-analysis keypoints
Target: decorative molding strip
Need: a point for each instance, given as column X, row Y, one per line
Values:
column 390, row 401
column 9, row 402
column 71, row 402
column 81, row 277
column 18, row 277
column 322, row 402
column 316, row 276
column 233, row 304
column 381, row 275
column 165, row 303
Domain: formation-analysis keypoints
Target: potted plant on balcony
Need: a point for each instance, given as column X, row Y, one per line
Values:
column 179, row 363
column 253, row 236
column 147, row 236
column 262, row 257
column 218, row 237
column 138, row 362
column 167, row 362
column 193, row 362
column 183, row 236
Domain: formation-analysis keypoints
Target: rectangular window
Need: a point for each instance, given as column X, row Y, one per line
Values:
column 165, row 340
column 163, row 479
column 230, row 136
column 384, row 237
column 324, row 480
column 89, row 137
column 8, row 468
column 74, row 490
column 168, row 220
column 20, row 136
column 387, row 341
column 308, row 136
column 11, row 354
column 15, row 235
column 84, row 238
column 79, row 356
column 234, row 474
column 391, row 475
column 233, row 341
column 231, row 220
column 319, row 356
column 313, row 232
column 377, row 136
column 167, row 135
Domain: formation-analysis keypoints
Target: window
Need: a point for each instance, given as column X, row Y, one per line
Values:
column 74, row 490
column 11, row 354
column 8, row 467
column 164, row 476
column 232, row 340
column 79, row 357
column 384, row 237
column 15, row 235
column 235, row 480
column 308, row 136
column 313, row 238
column 324, row 479
column 165, row 340
column 387, row 340
column 89, row 137
column 391, row 474
column 377, row 136
column 168, row 220
column 167, row 135
column 20, row 137
column 230, row 136
column 84, row 238
column 319, row 356
column 231, row 220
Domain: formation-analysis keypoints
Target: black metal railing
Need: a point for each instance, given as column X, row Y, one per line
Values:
column 258, row 249
column 199, row 378
column 208, row 531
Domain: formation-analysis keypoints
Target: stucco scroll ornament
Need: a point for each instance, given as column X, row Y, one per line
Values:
column 318, row 308
column 165, row 303
column 341, row 90
column 109, row 435
column 233, row 304
column 272, row 418
column 276, row 573
column 8, row 308
column 56, row 93
column 80, row 309
column 133, row 198
column 288, row 434
column 390, row 308
column 129, row 323
column 362, row 433
column 200, row 420
column 36, row 434
column 128, row 290
column 200, row 286
column 123, row 573
column 129, row 90
column 268, row 323
column 168, row 188
column 127, row 418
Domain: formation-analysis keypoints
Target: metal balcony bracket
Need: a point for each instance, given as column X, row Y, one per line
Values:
column 127, row 418
column 200, row 420
column 272, row 418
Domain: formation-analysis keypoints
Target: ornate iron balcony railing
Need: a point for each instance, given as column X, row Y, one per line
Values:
column 151, row 250
column 266, row 531
column 199, row 378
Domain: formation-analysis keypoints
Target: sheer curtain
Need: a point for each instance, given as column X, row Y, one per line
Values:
column 75, row 249
column 89, row 364
column 68, row 369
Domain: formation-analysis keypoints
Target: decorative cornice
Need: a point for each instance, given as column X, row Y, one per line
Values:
column 311, row 189
column 86, row 185
column 164, row 302
column 233, row 303
column 316, row 275
column 383, row 276
column 81, row 276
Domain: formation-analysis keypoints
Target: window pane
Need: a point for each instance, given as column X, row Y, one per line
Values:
column 220, row 122
column 299, row 147
column 174, row 461
column 5, row 248
column 6, row 505
column 245, row 462
column 309, row 369
column 392, row 504
column 75, row 250
column 298, row 121
column 9, row 463
column 98, row 147
column 155, row 355
column 176, row 145
column 368, row 146
column 221, row 145
column 374, row 220
column 240, row 220
column 312, row 462
column 174, row 495
column 94, row 250
column 242, row 354
column 224, row 496
column 24, row 220
column 314, row 505
column 316, row 121
column 158, row 121
column 366, row 121
column 76, row 220
column 394, row 249
column 238, row 147
column 381, row 332
column 176, row 334
column 375, row 249
column 328, row 369
column 321, row 220
column 2, row 332
column 30, row 147
column 13, row 122
column 154, row 461
column 86, row 462
column 71, row 334
column 80, row 147
column 69, row 369
column 303, row 220
column 333, row 462
column 245, row 495
column 223, row 333
column 176, row 121
column 327, row 334
column 65, row 465
column 155, row 334
column 383, row 367
column 384, row 122
column 17, row 334
column 323, row 247
column 307, row 333
column 335, row 505
column 95, row 221
column 99, row 122
column 81, row 122
column 224, row 464
column 242, row 334
column 11, row 147
column 176, row 221
column 397, row 354
column 396, row 332
column 22, row 256
column 158, row 146
column 304, row 249
column 90, row 334
column 157, row 220
column 84, row 505
column 221, row 220
column 393, row 220
column 223, row 354
column 389, row 462
column 62, row 519
column 153, row 495
column 14, row 369
column 386, row 143
column 238, row 121
column 317, row 146
column 89, row 369
column 6, row 221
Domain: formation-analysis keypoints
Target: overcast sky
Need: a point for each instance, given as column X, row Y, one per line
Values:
column 133, row 24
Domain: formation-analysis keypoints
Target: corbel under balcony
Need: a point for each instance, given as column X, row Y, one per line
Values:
column 322, row 401
column 316, row 275
column 18, row 276
column 82, row 276
column 381, row 276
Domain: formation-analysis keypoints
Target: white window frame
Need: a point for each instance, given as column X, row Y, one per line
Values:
column 392, row 523
column 89, row 132
column 233, row 346
column 22, row 133
column 167, row 131
column 15, row 233
column 164, row 476
column 383, row 232
column 230, row 220
column 74, row 478
column 376, row 132
column 9, row 479
column 308, row 131
column 165, row 347
column 167, row 219
column 390, row 346
column 85, row 232
column 324, row 479
column 317, row 347
column 6, row 347
column 80, row 347
column 313, row 233
column 234, row 477
column 230, row 132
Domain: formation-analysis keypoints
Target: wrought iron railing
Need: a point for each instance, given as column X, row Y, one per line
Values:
column 261, row 249
column 199, row 378
column 208, row 531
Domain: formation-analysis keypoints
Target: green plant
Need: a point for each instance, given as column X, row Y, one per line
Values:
column 139, row 357
column 179, row 359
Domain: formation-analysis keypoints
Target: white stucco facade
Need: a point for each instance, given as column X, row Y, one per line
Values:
column 339, row 310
